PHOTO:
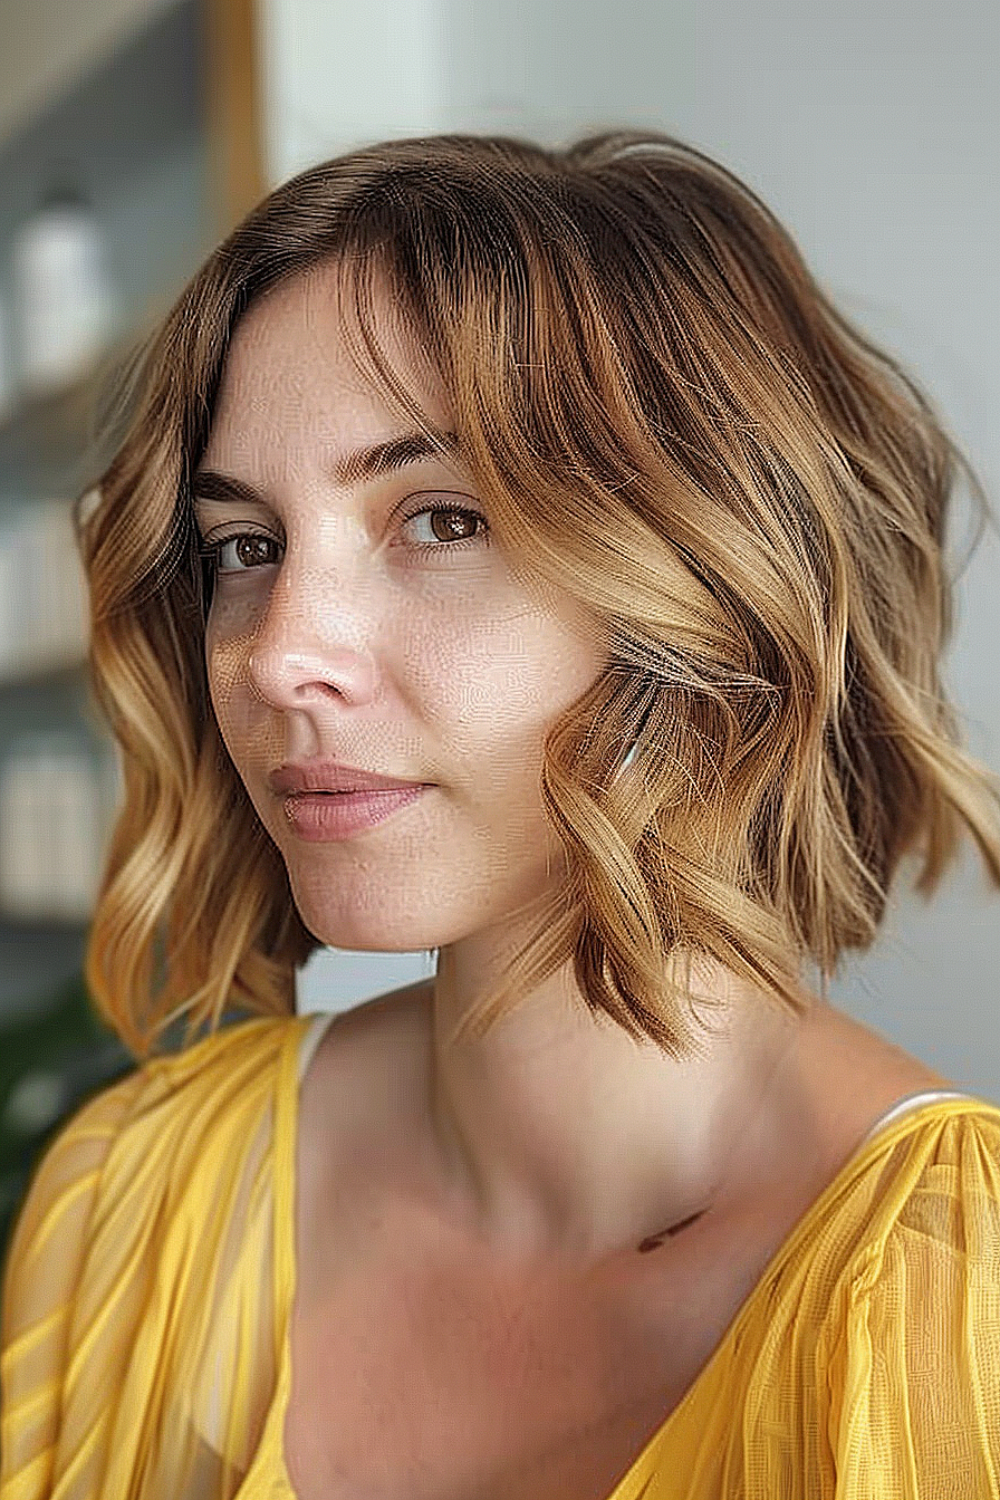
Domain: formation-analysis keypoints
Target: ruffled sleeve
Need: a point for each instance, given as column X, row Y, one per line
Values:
column 138, row 1356
column 916, row 1384
column 42, row 1275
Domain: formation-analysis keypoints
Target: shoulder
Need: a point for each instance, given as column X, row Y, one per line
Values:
column 137, row 1145
column 195, row 1098
column 134, row 1211
column 924, row 1291
column 936, row 1192
column 917, row 1367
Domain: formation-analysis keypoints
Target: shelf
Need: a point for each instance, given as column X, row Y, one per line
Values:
column 161, row 132
column 47, row 440
column 48, row 46
column 133, row 134
column 54, row 929
column 65, row 673
column 162, row 136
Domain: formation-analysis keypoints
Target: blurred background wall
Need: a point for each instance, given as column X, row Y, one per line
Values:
column 134, row 133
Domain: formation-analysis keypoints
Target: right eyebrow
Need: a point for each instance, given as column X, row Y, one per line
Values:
column 362, row 463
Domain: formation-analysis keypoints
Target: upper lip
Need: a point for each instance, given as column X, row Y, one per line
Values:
column 330, row 776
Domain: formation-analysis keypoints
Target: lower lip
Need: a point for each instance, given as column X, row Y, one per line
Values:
column 342, row 814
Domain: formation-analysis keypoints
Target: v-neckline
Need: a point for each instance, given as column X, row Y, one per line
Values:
column 270, row 1453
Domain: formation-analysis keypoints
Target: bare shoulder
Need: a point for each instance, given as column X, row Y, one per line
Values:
column 849, row 1046
column 363, row 1097
column 372, row 1054
column 853, row 1075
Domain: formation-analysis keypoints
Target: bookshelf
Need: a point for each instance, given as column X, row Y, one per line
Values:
column 154, row 103
column 160, row 125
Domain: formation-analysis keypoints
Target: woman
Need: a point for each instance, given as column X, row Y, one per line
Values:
column 548, row 489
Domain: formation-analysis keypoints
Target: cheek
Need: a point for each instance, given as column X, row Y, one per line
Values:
column 502, row 690
column 487, row 689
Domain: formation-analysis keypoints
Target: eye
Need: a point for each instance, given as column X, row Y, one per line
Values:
column 454, row 514
column 259, row 541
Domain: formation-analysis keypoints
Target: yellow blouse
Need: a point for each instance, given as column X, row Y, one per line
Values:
column 148, row 1287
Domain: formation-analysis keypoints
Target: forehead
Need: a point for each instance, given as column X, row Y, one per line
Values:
column 297, row 380
column 307, row 328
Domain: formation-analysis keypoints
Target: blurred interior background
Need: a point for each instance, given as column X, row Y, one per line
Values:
column 135, row 133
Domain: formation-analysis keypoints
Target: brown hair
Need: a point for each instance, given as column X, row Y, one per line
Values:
column 671, row 422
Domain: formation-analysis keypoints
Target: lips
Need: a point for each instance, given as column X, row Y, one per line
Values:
column 353, row 815
column 319, row 776
column 359, row 793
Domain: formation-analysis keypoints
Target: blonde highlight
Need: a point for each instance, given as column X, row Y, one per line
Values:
column 674, row 426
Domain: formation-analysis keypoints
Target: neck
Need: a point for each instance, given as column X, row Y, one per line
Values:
column 559, row 1136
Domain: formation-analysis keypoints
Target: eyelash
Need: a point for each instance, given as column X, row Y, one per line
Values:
column 210, row 550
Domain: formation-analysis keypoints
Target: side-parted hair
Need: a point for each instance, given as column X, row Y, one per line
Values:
column 669, row 421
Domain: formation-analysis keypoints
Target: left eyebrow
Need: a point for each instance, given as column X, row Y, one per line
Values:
column 361, row 464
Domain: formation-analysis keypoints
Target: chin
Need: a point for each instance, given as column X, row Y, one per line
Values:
column 369, row 931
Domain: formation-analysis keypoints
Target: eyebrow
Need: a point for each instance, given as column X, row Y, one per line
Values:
column 362, row 463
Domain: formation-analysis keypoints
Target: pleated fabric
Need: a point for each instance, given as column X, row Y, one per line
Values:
column 149, row 1283
column 140, row 1289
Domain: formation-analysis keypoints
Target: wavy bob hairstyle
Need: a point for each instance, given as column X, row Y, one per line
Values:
column 669, row 420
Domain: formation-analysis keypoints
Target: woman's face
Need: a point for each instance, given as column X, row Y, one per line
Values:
column 332, row 634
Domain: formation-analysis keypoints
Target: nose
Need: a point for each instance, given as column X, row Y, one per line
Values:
column 311, row 641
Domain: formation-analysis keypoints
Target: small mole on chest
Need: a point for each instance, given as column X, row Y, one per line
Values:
column 651, row 1241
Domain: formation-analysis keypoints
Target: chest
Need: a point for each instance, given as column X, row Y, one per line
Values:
column 421, row 1372
column 435, row 1379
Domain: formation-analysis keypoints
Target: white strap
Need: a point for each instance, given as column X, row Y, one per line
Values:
column 910, row 1102
column 314, row 1034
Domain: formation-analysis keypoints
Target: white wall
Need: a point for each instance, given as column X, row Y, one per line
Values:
column 871, row 129
column 336, row 74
